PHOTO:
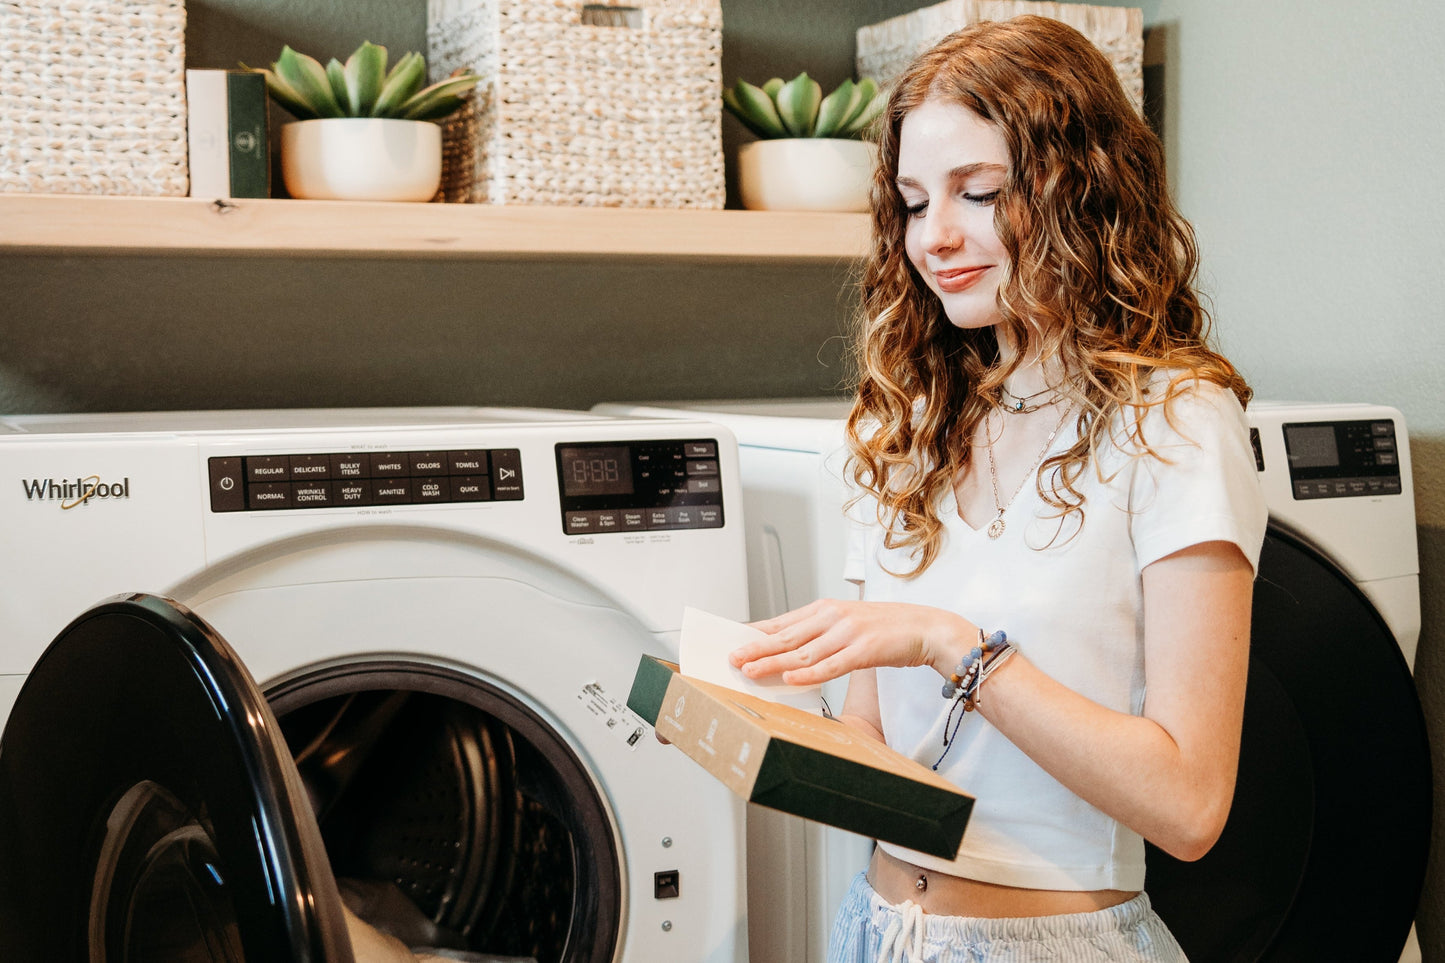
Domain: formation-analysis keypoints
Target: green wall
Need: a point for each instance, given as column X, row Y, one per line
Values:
column 1305, row 145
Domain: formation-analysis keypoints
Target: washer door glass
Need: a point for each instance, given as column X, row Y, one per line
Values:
column 149, row 808
column 1333, row 786
column 159, row 890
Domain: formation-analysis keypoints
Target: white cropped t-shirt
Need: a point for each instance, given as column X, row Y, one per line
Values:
column 1075, row 609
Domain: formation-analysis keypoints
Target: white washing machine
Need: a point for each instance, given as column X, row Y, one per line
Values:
column 1338, row 587
column 443, row 609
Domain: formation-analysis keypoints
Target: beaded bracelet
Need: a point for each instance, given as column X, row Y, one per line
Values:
column 963, row 677
column 966, row 681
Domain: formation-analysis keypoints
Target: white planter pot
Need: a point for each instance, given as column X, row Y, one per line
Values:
column 361, row 159
column 806, row 174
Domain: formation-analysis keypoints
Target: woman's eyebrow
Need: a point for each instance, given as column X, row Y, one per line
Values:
column 980, row 167
column 962, row 172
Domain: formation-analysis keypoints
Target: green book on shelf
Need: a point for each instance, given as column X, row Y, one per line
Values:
column 227, row 133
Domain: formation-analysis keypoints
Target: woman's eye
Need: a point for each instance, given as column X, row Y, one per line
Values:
column 982, row 199
column 915, row 210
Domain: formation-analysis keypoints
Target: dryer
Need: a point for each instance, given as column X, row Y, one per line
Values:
column 1333, row 726
column 442, row 609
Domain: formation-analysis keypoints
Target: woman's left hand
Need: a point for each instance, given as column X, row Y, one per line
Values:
column 831, row 638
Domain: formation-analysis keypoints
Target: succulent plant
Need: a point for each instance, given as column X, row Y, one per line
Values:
column 363, row 87
column 797, row 108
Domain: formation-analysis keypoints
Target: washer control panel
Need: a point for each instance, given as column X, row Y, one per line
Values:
column 251, row 483
column 639, row 486
column 1342, row 459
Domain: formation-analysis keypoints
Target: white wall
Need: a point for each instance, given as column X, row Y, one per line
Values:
column 1307, row 144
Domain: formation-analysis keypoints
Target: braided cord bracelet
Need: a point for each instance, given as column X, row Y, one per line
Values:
column 964, row 684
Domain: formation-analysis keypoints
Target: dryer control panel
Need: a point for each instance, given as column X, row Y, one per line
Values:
column 1342, row 459
column 356, row 479
column 639, row 486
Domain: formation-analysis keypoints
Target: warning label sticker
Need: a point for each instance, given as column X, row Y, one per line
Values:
column 627, row 726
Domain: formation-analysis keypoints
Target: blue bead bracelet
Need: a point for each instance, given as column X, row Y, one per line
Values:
column 969, row 665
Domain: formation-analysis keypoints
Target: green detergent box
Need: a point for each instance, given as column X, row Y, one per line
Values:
column 802, row 763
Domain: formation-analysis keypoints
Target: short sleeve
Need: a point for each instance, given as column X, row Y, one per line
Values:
column 856, row 548
column 1200, row 484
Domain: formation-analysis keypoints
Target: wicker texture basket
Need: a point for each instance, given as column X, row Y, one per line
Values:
column 885, row 48
column 570, row 113
column 92, row 96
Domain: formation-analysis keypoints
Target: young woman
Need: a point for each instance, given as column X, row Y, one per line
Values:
column 1058, row 515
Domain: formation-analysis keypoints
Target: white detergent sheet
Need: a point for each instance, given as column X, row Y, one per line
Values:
column 706, row 641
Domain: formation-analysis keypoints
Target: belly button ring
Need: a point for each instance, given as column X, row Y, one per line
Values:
column 921, row 884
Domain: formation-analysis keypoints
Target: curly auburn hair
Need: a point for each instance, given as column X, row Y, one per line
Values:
column 1100, row 277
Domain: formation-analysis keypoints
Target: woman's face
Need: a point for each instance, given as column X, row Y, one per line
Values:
column 951, row 166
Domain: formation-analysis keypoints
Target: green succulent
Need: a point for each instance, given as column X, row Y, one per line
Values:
column 797, row 108
column 362, row 87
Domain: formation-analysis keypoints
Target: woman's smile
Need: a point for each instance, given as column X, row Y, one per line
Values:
column 954, row 280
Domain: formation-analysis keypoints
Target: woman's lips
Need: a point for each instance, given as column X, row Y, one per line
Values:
column 958, row 279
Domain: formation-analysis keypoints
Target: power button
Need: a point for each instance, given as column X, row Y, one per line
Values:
column 227, row 492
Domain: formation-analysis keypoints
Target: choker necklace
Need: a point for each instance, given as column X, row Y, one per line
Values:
column 996, row 527
column 1016, row 405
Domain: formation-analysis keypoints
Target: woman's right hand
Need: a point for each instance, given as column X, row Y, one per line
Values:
column 830, row 638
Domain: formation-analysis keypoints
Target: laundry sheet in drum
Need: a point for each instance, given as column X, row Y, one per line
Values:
column 703, row 654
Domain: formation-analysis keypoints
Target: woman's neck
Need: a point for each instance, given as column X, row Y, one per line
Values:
column 1033, row 373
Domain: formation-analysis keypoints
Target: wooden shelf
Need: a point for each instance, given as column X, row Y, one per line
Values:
column 62, row 224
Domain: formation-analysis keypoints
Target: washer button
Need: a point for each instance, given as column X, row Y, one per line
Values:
column 350, row 466
column 227, row 492
column 268, row 468
column 391, row 491
column 431, row 490
column 270, row 495
column 470, row 488
column 353, row 492
column 389, row 464
column 507, row 474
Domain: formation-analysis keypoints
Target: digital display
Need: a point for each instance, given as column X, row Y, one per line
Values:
column 596, row 470
column 1311, row 446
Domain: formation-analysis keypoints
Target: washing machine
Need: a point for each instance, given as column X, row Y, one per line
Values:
column 1334, row 782
column 372, row 656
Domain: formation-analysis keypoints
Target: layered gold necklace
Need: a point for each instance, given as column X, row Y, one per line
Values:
column 996, row 527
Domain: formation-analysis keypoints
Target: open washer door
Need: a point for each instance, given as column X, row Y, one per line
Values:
column 149, row 808
column 1324, row 853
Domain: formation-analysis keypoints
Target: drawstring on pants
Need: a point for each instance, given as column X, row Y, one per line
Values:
column 903, row 940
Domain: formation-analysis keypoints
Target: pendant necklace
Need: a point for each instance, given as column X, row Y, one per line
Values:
column 996, row 527
column 1016, row 405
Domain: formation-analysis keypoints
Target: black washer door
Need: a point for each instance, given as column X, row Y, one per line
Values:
column 149, row 809
column 1323, row 857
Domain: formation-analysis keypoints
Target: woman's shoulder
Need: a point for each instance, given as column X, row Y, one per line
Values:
column 1178, row 409
column 1179, row 399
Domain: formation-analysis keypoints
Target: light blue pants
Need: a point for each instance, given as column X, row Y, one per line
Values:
column 870, row 930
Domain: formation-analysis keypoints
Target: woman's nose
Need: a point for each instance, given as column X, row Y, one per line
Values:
column 940, row 234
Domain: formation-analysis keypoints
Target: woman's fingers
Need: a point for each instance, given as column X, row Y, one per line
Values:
column 831, row 637
column 787, row 635
column 838, row 664
column 815, row 646
column 767, row 665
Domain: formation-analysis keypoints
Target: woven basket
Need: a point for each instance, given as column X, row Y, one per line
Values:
column 92, row 96
column 570, row 113
column 885, row 49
